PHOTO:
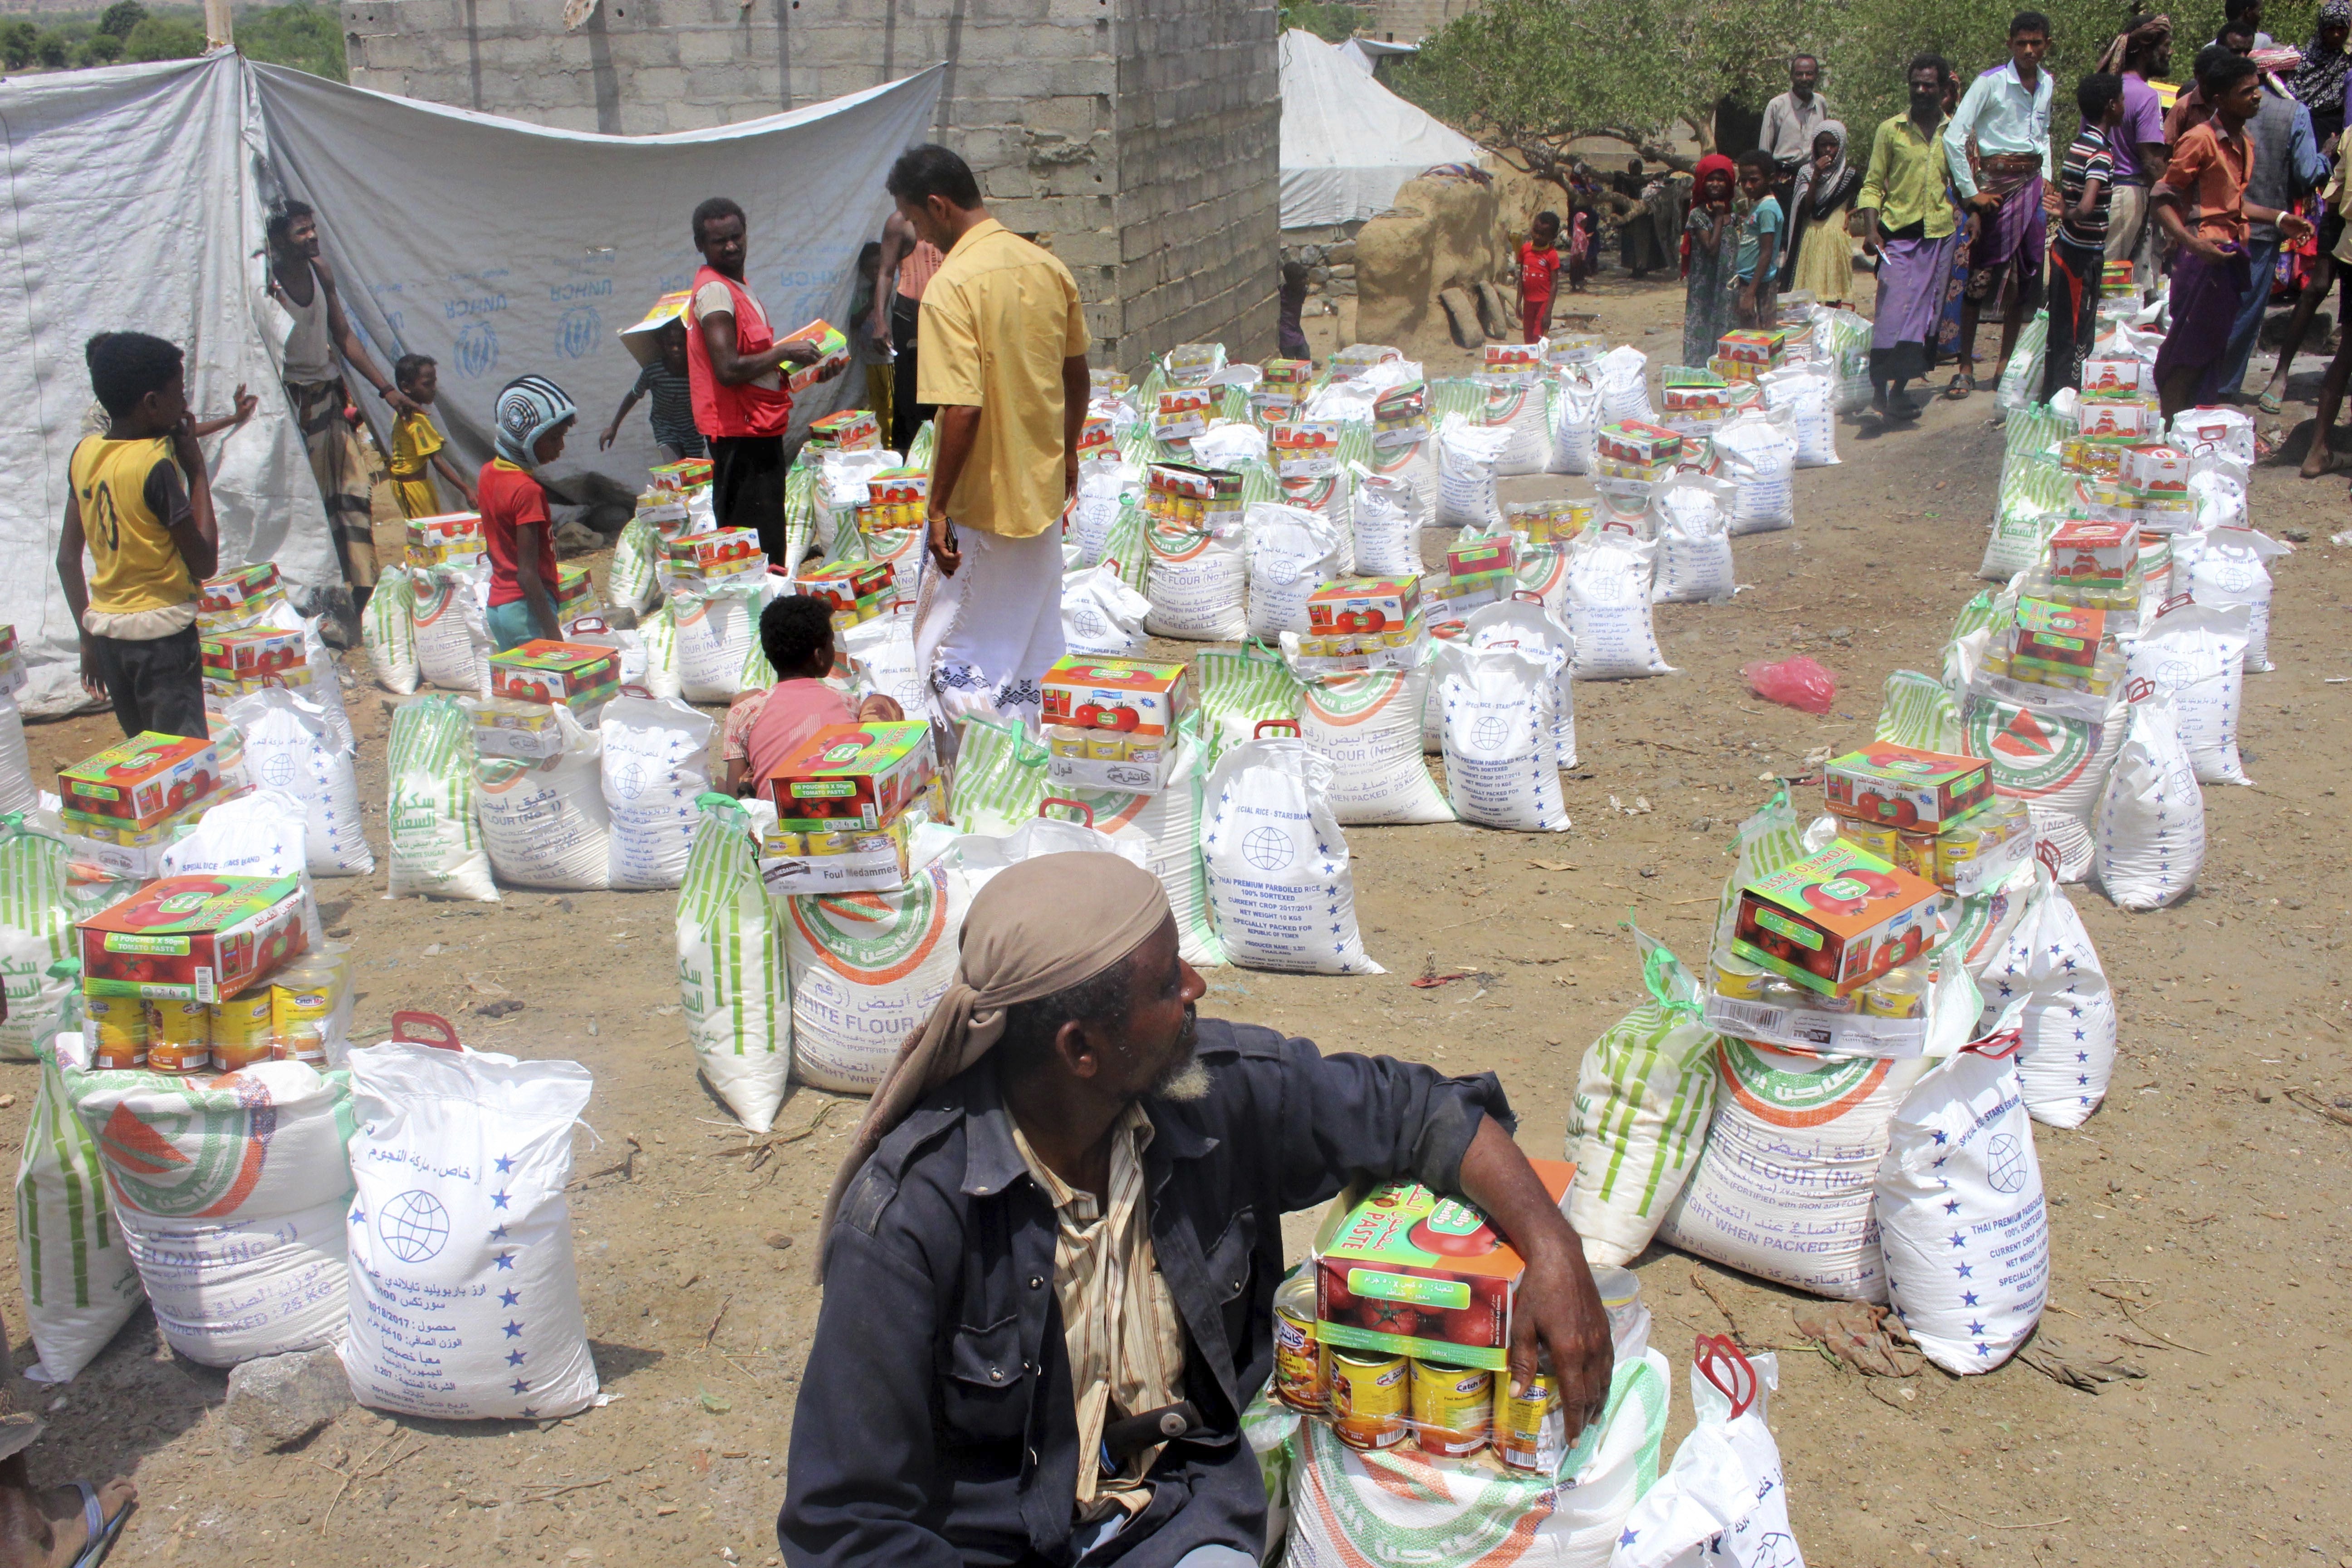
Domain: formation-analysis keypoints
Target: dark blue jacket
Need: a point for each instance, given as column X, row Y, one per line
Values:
column 936, row 1426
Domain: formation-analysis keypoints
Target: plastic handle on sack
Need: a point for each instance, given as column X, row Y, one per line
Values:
column 1721, row 1362
column 1265, row 724
column 1522, row 596
column 2001, row 1045
column 1081, row 808
column 589, row 624
column 425, row 1029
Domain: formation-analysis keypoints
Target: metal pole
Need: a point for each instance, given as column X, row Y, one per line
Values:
column 218, row 32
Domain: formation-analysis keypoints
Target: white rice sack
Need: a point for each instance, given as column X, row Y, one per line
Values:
column 1368, row 727
column 1783, row 1186
column 1724, row 1502
column 388, row 631
column 2151, row 827
column 1760, row 458
column 1543, row 572
column 452, row 638
column 436, row 844
column 2228, row 568
column 1408, row 458
column 1332, row 496
column 2195, row 658
column 1466, row 454
column 1229, row 444
column 1279, row 886
column 2219, row 501
column 881, row 652
column 1623, row 376
column 544, row 820
column 1292, row 553
column 1197, row 582
column 18, row 790
column 2215, row 431
column 1387, row 519
column 326, row 692
column 1810, row 396
column 288, row 746
column 1517, row 623
column 1608, row 578
column 731, row 970
column 2049, row 983
column 1644, row 1097
column 656, row 760
column 1516, row 406
column 1960, row 1216
column 1695, row 563
column 1574, row 414
column 78, row 1282
column 1502, row 761
column 465, row 1298
column 1101, row 491
column 1623, row 506
column 866, row 970
column 260, row 833
column 717, row 633
column 1102, row 618
column 1169, row 823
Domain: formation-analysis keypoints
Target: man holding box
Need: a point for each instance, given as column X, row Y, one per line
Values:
column 1004, row 360
column 1064, row 1120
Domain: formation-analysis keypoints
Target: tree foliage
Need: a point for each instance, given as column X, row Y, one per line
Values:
column 306, row 36
column 19, row 40
column 165, row 38
column 121, row 17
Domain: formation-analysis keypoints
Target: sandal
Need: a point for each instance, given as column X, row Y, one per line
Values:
column 99, row 1530
column 2268, row 402
column 1961, row 385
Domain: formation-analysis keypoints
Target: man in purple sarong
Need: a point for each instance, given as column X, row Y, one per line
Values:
column 2208, row 174
column 2006, row 112
column 1907, row 223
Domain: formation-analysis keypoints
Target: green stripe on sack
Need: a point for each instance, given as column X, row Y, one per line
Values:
column 1000, row 777
column 1920, row 713
column 1247, row 683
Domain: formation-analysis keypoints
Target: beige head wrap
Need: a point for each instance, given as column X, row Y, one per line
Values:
column 2150, row 29
column 1039, row 927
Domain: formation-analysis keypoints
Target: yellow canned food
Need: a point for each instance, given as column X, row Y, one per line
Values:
column 242, row 1029
column 118, row 1027
column 1106, row 746
column 1453, row 1407
column 1301, row 1375
column 1369, row 1398
column 1746, row 985
column 1066, row 740
column 179, row 1037
column 1870, row 838
column 1530, row 1429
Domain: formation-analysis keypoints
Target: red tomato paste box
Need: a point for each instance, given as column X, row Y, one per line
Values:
column 1405, row 1271
column 233, row 658
column 1835, row 920
column 832, row 354
column 12, row 662
column 1639, row 444
column 574, row 592
column 2059, row 638
column 2093, row 553
column 843, row 583
column 852, row 776
column 539, row 670
column 239, row 587
column 1898, row 787
column 2116, row 378
column 851, row 430
column 193, row 939
column 2157, row 469
column 142, row 780
column 1304, row 451
column 1137, row 699
column 1362, row 605
column 1753, row 345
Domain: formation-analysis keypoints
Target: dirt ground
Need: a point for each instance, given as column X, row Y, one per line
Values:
column 2198, row 1221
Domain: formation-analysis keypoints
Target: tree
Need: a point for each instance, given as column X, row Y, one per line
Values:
column 53, row 50
column 165, row 38
column 19, row 41
column 100, row 49
column 306, row 36
column 121, row 17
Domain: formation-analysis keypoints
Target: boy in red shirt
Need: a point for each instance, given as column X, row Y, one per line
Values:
column 1539, row 261
column 534, row 418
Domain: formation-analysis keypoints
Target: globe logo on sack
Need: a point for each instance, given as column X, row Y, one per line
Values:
column 578, row 332
column 415, row 1226
column 2005, row 1163
column 1269, row 848
column 477, row 349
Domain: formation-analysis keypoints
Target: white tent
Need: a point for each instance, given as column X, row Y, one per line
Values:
column 496, row 247
column 1366, row 54
column 1348, row 143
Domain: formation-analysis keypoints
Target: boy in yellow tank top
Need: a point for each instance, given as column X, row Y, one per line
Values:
column 141, row 505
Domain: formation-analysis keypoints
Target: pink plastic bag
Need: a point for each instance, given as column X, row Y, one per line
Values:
column 1796, row 682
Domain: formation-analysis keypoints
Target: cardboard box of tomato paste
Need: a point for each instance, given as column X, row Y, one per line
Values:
column 193, row 939
column 1404, row 1271
column 1140, row 700
column 1897, row 786
column 574, row 674
column 1356, row 605
column 1835, row 920
column 852, row 776
column 832, row 351
column 143, row 779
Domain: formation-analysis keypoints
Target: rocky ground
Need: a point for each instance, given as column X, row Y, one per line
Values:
column 2199, row 1221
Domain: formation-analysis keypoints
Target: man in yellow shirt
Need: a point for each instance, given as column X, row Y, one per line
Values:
column 142, row 506
column 1004, row 359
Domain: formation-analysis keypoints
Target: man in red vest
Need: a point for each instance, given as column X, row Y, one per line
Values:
column 734, row 365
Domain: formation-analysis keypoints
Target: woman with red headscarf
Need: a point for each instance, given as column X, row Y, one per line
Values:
column 1710, row 241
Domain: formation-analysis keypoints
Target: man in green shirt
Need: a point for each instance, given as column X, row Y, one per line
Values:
column 1906, row 222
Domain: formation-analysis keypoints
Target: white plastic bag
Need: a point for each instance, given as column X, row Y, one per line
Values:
column 2050, row 977
column 1623, row 374
column 1724, row 1502
column 1694, row 564
column 1387, row 519
column 290, row 747
column 2196, row 658
column 465, row 1301
column 436, row 842
column 2219, row 501
column 452, row 636
column 388, row 631
column 1292, row 553
column 1760, row 458
column 1644, row 1099
column 1196, row 582
column 231, row 1193
column 260, row 833
column 866, row 970
column 1960, row 1216
column 2151, row 828
column 1368, row 727
column 1782, row 1189
column 656, row 760
column 731, row 969
column 544, row 820
column 1575, row 416
column 1502, row 759
column 1466, row 455
column 2228, row 568
column 78, row 1282
column 1279, row 884
column 1608, row 578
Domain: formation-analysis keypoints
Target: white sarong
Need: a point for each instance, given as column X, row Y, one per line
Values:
column 985, row 637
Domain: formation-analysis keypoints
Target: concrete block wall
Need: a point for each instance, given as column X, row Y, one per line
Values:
column 1410, row 21
column 1135, row 138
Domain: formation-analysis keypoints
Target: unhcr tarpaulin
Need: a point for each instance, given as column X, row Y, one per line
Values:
column 497, row 247
column 1348, row 143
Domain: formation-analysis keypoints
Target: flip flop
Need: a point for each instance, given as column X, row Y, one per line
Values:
column 2268, row 402
column 1960, row 386
column 100, row 1530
